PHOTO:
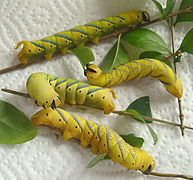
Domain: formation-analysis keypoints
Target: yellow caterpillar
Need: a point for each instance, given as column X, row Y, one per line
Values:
column 134, row 70
column 78, row 35
column 49, row 91
column 101, row 138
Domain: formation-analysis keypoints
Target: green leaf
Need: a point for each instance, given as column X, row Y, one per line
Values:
column 136, row 115
column 153, row 134
column 169, row 7
column 159, row 6
column 15, row 127
column 154, row 55
column 133, row 140
column 146, row 39
column 84, row 54
column 116, row 56
column 142, row 106
column 187, row 43
column 94, row 161
column 188, row 17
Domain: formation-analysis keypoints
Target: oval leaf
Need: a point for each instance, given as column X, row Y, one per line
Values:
column 146, row 39
column 15, row 127
column 154, row 55
column 115, row 57
column 159, row 6
column 142, row 106
column 84, row 54
column 187, row 43
column 97, row 159
column 133, row 140
column 188, row 17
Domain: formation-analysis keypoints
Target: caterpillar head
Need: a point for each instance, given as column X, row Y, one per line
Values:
column 92, row 71
column 48, row 117
column 147, row 162
column 28, row 51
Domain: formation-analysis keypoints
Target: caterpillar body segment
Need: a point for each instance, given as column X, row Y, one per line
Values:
column 49, row 91
column 78, row 35
column 102, row 139
column 134, row 70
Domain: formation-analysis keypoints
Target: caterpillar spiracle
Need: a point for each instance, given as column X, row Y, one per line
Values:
column 134, row 70
column 50, row 91
column 78, row 35
column 102, row 139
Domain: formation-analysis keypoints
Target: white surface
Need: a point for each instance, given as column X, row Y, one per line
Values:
column 45, row 157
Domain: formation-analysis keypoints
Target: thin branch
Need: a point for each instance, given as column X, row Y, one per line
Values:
column 167, row 175
column 181, row 116
column 115, row 111
column 114, row 34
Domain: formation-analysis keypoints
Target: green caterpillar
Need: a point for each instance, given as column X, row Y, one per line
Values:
column 50, row 91
column 78, row 35
column 101, row 138
column 134, row 70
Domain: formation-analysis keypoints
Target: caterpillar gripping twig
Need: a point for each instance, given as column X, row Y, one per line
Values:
column 134, row 70
column 49, row 91
column 101, row 138
column 79, row 35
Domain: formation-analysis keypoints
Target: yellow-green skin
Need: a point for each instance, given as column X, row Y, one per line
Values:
column 102, row 139
column 78, row 35
column 134, row 70
column 49, row 91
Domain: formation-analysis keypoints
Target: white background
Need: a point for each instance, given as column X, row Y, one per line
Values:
column 45, row 157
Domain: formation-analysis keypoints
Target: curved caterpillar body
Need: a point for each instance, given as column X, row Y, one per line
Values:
column 134, row 70
column 101, row 138
column 78, row 35
column 50, row 91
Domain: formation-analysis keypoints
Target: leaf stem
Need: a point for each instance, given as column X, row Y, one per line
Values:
column 167, row 175
column 181, row 116
column 115, row 111
column 114, row 34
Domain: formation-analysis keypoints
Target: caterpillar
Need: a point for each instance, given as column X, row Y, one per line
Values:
column 50, row 91
column 102, row 139
column 134, row 70
column 78, row 35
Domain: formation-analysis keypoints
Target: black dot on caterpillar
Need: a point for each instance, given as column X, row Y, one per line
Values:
column 75, row 126
column 66, row 41
column 133, row 164
column 103, row 97
column 59, row 119
column 104, row 144
column 142, row 166
column 96, row 30
column 81, row 36
column 39, row 49
column 46, row 114
column 80, row 91
column 121, row 20
column 51, row 46
column 58, row 87
column 88, row 132
column 46, row 102
column 91, row 95
column 119, row 156
column 96, row 137
column 29, row 50
column 50, row 83
column 69, row 89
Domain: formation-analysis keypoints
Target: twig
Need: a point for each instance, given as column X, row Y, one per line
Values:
column 181, row 116
column 167, row 175
column 115, row 111
column 114, row 34
column 176, row 54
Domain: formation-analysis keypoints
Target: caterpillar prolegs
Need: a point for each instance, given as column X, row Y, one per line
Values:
column 134, row 70
column 101, row 138
column 78, row 35
column 50, row 91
